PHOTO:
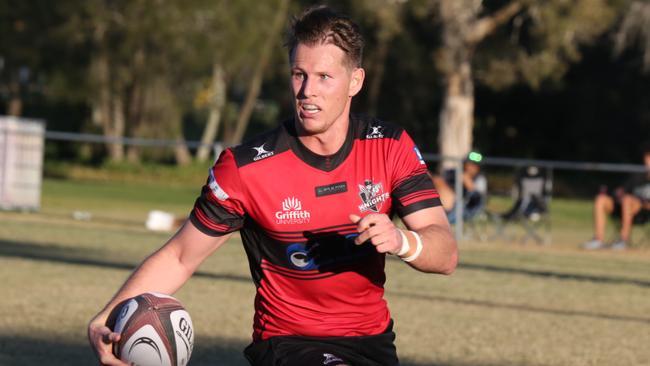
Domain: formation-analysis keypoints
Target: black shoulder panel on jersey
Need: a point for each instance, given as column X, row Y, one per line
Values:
column 261, row 147
column 369, row 128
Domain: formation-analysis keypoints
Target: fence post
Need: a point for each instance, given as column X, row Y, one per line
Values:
column 458, row 188
column 4, row 142
column 217, row 148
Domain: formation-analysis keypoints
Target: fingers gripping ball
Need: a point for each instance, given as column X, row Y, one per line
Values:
column 156, row 331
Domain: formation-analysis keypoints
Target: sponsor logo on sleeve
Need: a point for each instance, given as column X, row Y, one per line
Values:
column 216, row 189
column 419, row 155
column 262, row 153
column 292, row 212
column 375, row 132
column 372, row 196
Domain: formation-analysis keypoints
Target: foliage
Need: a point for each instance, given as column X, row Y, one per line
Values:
column 542, row 41
column 143, row 68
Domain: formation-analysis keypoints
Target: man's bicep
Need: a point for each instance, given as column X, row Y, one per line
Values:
column 420, row 219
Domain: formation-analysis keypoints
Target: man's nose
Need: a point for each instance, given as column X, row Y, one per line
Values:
column 307, row 88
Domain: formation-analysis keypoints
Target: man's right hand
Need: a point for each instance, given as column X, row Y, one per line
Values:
column 101, row 339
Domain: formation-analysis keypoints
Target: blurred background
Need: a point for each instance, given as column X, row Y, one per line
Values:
column 113, row 109
column 555, row 79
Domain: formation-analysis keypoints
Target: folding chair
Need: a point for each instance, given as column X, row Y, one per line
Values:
column 530, row 210
column 475, row 217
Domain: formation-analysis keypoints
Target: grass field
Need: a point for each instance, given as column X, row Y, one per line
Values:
column 507, row 304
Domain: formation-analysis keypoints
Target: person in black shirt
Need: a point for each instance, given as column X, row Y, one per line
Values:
column 630, row 203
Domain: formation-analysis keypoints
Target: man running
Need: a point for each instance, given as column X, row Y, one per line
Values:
column 313, row 201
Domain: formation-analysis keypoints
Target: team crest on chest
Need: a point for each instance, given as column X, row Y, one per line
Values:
column 292, row 212
column 372, row 196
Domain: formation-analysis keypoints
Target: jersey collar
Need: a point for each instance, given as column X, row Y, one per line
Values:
column 325, row 163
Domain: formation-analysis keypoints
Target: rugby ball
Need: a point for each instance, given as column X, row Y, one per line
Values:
column 155, row 329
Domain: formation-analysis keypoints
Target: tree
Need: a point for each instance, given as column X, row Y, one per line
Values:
column 240, row 37
column 635, row 27
column 539, row 42
column 24, row 50
column 463, row 28
column 266, row 49
column 385, row 19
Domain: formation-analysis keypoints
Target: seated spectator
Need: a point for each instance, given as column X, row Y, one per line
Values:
column 630, row 203
column 474, row 188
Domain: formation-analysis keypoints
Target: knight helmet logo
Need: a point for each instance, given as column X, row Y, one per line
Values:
column 372, row 196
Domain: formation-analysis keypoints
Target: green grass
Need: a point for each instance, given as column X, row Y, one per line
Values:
column 507, row 304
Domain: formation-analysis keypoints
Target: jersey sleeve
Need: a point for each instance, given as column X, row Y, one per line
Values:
column 413, row 189
column 220, row 209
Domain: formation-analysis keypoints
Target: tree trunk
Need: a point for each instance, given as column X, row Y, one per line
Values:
column 108, row 111
column 181, row 151
column 117, row 131
column 15, row 104
column 462, row 31
column 457, row 114
column 216, row 106
column 256, row 81
column 135, row 111
column 378, row 68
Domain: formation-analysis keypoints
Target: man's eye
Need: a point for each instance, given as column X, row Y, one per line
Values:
column 325, row 77
column 298, row 75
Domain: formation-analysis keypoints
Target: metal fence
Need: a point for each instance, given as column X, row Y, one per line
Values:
column 550, row 166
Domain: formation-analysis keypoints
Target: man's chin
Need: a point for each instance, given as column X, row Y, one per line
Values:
column 308, row 126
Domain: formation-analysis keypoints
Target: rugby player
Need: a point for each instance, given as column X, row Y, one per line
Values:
column 313, row 200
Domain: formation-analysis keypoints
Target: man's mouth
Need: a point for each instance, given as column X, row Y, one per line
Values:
column 309, row 108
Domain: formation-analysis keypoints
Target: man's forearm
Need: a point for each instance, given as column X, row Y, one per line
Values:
column 161, row 272
column 439, row 251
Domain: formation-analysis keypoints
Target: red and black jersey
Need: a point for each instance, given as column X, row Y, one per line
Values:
column 292, row 207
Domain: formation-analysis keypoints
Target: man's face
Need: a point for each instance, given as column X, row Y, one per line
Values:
column 472, row 168
column 323, row 86
column 646, row 159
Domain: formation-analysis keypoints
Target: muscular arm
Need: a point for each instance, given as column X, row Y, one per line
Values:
column 439, row 250
column 165, row 271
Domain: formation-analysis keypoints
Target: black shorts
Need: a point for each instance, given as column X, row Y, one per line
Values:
column 375, row 350
column 640, row 218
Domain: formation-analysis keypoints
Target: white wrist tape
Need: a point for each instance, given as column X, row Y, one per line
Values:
column 418, row 248
column 405, row 244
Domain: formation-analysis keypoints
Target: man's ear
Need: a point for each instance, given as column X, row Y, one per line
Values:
column 356, row 81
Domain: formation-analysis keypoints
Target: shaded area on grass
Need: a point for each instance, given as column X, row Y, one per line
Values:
column 557, row 275
column 53, row 253
column 550, row 274
column 520, row 307
column 29, row 351
column 75, row 256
